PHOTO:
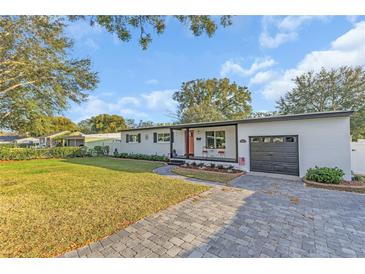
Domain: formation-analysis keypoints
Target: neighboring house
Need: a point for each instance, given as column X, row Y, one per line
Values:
column 52, row 140
column 9, row 139
column 27, row 141
column 73, row 139
column 287, row 144
column 101, row 139
column 358, row 156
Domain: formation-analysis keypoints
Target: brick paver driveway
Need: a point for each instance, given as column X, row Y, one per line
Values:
column 257, row 217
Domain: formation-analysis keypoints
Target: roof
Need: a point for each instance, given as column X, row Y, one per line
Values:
column 9, row 138
column 56, row 134
column 289, row 117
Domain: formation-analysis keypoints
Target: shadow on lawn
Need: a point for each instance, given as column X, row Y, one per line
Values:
column 116, row 164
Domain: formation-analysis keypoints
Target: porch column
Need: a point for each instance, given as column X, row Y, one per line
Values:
column 171, row 145
column 187, row 142
column 236, row 133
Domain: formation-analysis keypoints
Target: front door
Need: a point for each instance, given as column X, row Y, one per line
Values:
column 190, row 140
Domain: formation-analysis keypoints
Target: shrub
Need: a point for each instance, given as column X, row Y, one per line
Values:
column 7, row 145
column 325, row 175
column 100, row 150
column 212, row 165
column 220, row 166
column 138, row 156
column 41, row 153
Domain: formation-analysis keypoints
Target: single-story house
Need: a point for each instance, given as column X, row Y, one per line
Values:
column 288, row 144
column 9, row 139
column 73, row 139
column 52, row 140
column 27, row 141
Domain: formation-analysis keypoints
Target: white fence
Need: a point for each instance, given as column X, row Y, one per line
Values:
column 358, row 157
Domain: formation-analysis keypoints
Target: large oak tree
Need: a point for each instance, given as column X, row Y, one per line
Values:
column 124, row 25
column 212, row 99
column 329, row 90
column 103, row 123
column 37, row 75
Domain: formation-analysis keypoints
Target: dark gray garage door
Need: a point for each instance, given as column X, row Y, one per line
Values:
column 274, row 154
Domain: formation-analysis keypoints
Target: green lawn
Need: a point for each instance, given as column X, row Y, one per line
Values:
column 205, row 175
column 48, row 207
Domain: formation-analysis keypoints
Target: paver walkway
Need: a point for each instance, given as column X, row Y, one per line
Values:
column 258, row 217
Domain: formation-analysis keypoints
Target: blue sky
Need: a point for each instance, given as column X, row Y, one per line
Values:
column 263, row 53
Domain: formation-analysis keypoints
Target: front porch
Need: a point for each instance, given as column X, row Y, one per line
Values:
column 205, row 143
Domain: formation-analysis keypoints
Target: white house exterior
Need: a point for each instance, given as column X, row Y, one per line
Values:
column 287, row 144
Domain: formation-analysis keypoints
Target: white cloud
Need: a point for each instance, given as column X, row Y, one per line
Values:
column 91, row 43
column 95, row 105
column 262, row 77
column 230, row 67
column 129, row 106
column 152, row 82
column 129, row 101
column 83, row 33
column 348, row 49
column 285, row 29
column 160, row 100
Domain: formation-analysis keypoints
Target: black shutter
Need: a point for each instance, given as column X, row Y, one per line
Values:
column 139, row 137
column 155, row 137
column 127, row 138
column 172, row 137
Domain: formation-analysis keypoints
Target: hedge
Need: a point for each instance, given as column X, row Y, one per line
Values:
column 41, row 153
column 141, row 156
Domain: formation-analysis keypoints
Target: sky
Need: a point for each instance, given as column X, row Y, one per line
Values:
column 263, row 53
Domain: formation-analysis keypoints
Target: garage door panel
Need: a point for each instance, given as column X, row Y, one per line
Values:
column 272, row 156
column 276, row 157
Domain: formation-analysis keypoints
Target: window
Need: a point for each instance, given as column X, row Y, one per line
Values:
column 290, row 139
column 215, row 139
column 163, row 137
column 132, row 138
column 267, row 139
column 256, row 139
column 278, row 139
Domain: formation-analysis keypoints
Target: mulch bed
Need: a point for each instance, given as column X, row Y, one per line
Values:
column 213, row 169
column 354, row 186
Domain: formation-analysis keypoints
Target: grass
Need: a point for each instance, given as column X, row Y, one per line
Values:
column 48, row 207
column 205, row 175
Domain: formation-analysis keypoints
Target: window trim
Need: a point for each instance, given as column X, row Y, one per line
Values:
column 133, row 142
column 215, row 139
column 166, row 135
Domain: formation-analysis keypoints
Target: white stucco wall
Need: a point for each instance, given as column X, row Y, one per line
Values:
column 358, row 157
column 322, row 142
column 146, row 146
column 230, row 150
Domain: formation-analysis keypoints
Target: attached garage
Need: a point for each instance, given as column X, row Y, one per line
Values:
column 274, row 154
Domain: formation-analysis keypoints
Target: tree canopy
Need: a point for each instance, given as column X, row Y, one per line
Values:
column 44, row 125
column 103, row 123
column 329, row 90
column 123, row 25
column 212, row 99
column 37, row 76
